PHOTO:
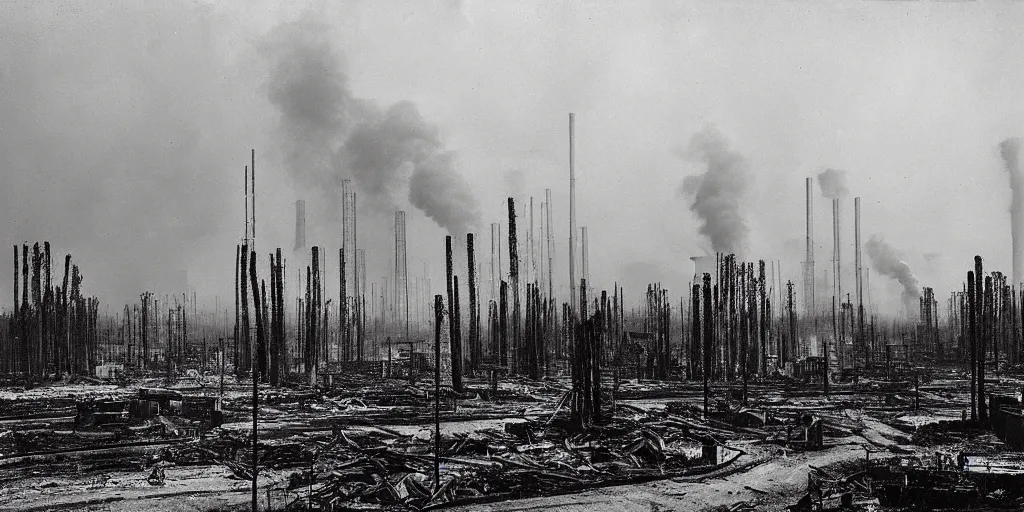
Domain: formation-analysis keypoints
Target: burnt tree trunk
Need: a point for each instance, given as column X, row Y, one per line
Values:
column 14, row 357
column 245, row 358
column 693, row 371
column 275, row 319
column 513, row 259
column 456, row 347
column 979, row 313
column 972, row 322
column 456, row 335
column 237, row 333
column 503, row 326
column 258, row 370
column 474, row 320
column 706, row 336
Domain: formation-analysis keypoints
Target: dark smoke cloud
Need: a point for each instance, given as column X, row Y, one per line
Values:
column 380, row 152
column 1010, row 151
column 833, row 184
column 331, row 135
column 888, row 262
column 443, row 196
column 310, row 89
column 717, row 193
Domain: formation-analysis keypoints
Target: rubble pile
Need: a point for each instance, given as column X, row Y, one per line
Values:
column 376, row 467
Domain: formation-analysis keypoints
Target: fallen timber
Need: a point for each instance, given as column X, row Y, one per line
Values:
column 78, row 453
column 531, row 461
column 690, row 474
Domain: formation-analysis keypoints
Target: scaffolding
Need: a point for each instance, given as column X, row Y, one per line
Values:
column 809, row 295
column 347, row 277
column 401, row 301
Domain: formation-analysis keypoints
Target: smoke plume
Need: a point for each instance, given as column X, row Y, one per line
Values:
column 440, row 193
column 717, row 193
column 380, row 151
column 888, row 262
column 833, row 183
column 331, row 135
column 1010, row 150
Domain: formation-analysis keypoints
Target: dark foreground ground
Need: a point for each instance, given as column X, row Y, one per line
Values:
column 371, row 447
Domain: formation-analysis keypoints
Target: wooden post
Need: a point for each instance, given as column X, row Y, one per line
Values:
column 503, row 326
column 456, row 336
column 438, row 318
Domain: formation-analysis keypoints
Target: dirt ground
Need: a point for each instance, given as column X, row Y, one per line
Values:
column 766, row 476
column 772, row 482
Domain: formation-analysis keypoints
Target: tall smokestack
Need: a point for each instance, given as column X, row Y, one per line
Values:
column 401, row 273
column 300, row 225
column 1010, row 150
column 541, row 248
column 531, row 267
column 583, row 250
column 859, row 278
column 809, row 258
column 252, row 175
column 833, row 186
column 837, row 269
column 495, row 241
column 856, row 243
column 572, row 214
column 245, row 238
column 550, row 244
column 702, row 265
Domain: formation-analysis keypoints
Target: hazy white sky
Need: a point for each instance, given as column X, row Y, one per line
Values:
column 124, row 128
